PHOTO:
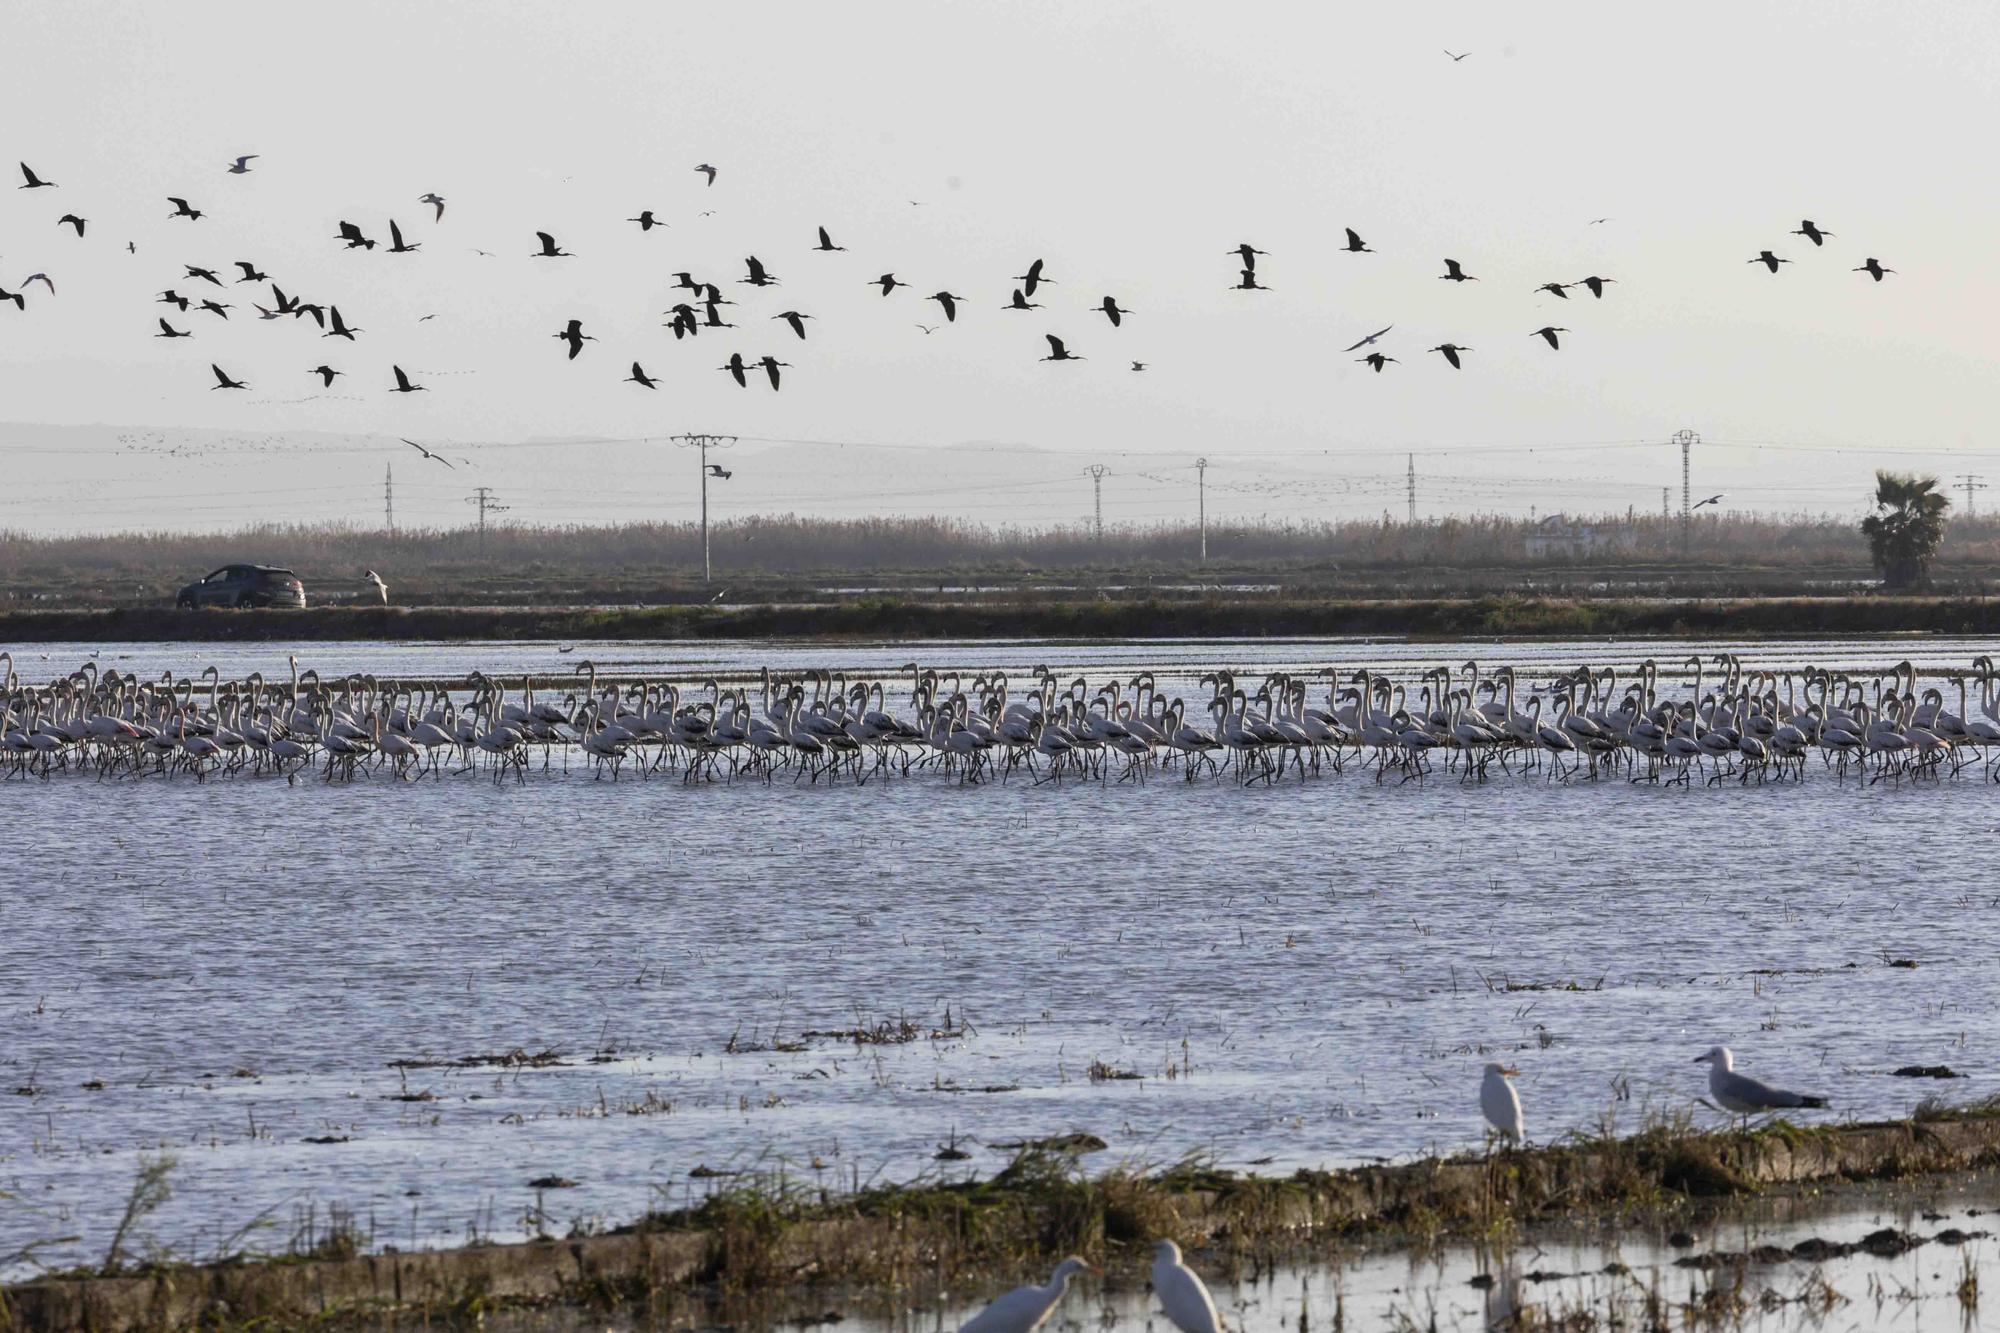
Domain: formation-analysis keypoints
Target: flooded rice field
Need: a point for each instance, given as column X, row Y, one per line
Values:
column 440, row 1010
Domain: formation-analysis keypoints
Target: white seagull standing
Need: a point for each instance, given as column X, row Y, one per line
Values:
column 1745, row 1095
column 1499, row 1101
column 1182, row 1293
column 1025, row 1309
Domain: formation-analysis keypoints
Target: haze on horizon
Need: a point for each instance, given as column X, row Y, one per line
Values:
column 1131, row 146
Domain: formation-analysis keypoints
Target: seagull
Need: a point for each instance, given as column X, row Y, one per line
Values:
column 264, row 312
column 928, row 328
column 1355, row 245
column 1021, row 302
column 1709, row 501
column 887, row 282
column 47, row 282
column 1596, row 222
column 1138, row 365
column 1812, row 233
column 1112, row 312
column 549, row 250
column 707, row 170
column 250, row 273
column 1451, row 351
column 1058, row 352
column 717, row 470
column 771, row 365
column 796, row 320
column 574, row 335
column 435, row 458
column 757, row 276
column 173, row 298
column 1550, row 333
column 72, row 220
column 221, row 308
column 339, row 329
column 1248, row 253
column 1453, row 273
column 1745, row 1095
column 1369, row 339
column 1873, row 268
column 1182, row 1294
column 396, row 245
column 735, row 368
column 1596, row 285
column 181, row 209
column 1500, row 1103
column 1555, row 289
column 1249, row 283
column 169, row 331
column 34, row 182
column 1455, row 59
column 1025, row 1309
column 436, row 201
column 207, row 274
column 1768, row 260
column 403, row 385
column 352, row 235
column 826, row 242
column 639, row 376
column 223, row 381
column 326, row 374
column 1033, row 278
column 381, row 588
column 646, row 220
column 241, row 167
column 949, row 303
column 1375, row 361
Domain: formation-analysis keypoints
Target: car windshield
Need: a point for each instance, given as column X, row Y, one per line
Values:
column 217, row 576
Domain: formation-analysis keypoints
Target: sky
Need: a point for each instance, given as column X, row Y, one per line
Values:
column 1130, row 146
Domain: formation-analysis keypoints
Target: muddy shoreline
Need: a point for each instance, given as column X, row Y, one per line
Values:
column 776, row 1242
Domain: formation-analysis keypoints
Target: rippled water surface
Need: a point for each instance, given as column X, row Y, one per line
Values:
column 1311, row 973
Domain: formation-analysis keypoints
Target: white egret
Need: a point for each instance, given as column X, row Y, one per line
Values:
column 1026, row 1309
column 1499, row 1101
column 1182, row 1293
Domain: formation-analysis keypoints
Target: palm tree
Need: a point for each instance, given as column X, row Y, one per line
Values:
column 1904, row 531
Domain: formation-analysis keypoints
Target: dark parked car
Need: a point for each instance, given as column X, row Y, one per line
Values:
column 245, row 585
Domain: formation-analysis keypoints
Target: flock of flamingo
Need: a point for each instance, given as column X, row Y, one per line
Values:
column 1746, row 724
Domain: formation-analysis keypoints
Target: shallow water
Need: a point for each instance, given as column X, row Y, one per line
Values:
column 1307, row 974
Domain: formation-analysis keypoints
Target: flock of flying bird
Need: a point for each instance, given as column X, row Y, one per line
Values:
column 701, row 307
column 1747, row 724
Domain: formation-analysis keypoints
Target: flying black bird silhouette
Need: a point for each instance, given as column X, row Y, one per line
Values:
column 34, row 182
column 286, row 304
column 714, row 318
column 403, row 385
column 1555, row 289
column 1453, row 273
column 1451, row 351
column 250, row 273
column 300, row 309
column 713, row 295
column 1369, row 339
column 70, row 219
column 826, row 242
column 1112, row 312
column 1375, row 361
column 1033, row 278
column 20, row 302
column 928, row 328
column 221, row 308
column 1058, row 352
column 757, row 276
column 686, row 280
column 1249, row 254
column 169, row 331
column 646, row 220
column 436, row 201
column 1550, row 334
column 206, row 274
column 1596, row 285
column 131, row 248
column 1355, row 245
column 639, row 376
column 173, row 298
column 1138, row 365
column 708, row 171
column 1715, row 498
column 771, row 365
column 735, row 368
column 1812, row 233
column 796, row 320
column 1873, row 268
column 717, row 470
column 223, row 381
column 1455, row 59
column 427, row 453
column 1768, row 260
column 574, row 335
column 949, row 304
column 396, row 244
column 181, row 209
column 340, row 328
column 241, row 167
column 352, row 235
column 1021, row 302
column 1248, row 282
column 326, row 374
column 887, row 282
column 549, row 250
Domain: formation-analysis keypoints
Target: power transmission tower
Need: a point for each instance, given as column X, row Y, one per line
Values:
column 483, row 497
column 1097, row 471
column 1201, row 503
column 1686, row 439
column 389, row 497
column 1665, row 512
column 1413, row 489
column 702, row 444
column 1969, row 482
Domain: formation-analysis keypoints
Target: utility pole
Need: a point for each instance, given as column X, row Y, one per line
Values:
column 1413, row 490
column 702, row 444
column 1665, row 512
column 389, row 497
column 488, row 504
column 1201, row 503
column 1686, row 439
column 1097, row 471
column 1969, row 482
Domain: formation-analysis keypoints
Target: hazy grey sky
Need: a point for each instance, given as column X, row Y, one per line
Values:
column 1131, row 145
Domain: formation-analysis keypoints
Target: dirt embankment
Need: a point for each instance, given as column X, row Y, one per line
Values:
column 758, row 1243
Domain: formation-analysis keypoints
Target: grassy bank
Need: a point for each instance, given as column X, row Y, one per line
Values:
column 755, row 1244
column 910, row 619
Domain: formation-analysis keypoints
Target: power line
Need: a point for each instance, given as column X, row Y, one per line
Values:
column 483, row 497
